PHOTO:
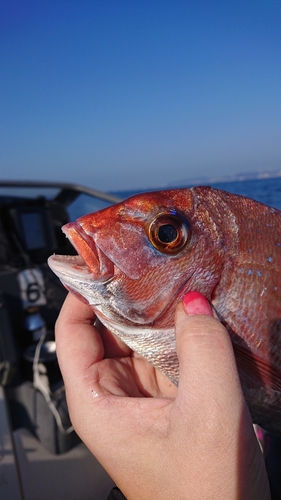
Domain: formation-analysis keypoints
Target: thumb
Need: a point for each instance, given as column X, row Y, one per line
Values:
column 208, row 372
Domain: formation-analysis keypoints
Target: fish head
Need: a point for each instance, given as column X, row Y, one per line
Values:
column 138, row 258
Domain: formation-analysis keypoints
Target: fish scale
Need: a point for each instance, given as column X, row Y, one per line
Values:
column 226, row 246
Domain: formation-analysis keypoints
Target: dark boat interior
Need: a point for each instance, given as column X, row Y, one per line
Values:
column 41, row 455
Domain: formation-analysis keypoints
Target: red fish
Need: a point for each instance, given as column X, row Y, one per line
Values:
column 138, row 258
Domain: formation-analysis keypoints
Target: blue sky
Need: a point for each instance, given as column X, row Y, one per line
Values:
column 125, row 94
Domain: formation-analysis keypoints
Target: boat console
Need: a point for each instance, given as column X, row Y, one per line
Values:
column 31, row 387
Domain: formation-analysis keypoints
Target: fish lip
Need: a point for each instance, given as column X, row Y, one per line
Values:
column 70, row 266
column 93, row 259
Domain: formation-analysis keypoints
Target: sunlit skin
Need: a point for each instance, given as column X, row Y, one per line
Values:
column 156, row 441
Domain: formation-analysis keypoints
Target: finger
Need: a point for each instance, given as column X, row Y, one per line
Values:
column 208, row 372
column 113, row 346
column 78, row 342
column 81, row 355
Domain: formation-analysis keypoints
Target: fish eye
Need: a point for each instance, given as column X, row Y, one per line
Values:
column 169, row 232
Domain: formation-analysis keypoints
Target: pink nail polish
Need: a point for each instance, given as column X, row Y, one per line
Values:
column 196, row 303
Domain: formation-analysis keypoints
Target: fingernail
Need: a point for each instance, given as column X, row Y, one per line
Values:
column 196, row 303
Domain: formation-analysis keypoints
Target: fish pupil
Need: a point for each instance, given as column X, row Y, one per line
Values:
column 167, row 233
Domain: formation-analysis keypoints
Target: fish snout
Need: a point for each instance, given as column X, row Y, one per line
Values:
column 100, row 266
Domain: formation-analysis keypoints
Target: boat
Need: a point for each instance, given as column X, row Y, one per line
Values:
column 41, row 455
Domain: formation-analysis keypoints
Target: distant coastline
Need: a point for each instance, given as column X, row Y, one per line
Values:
column 260, row 175
column 240, row 177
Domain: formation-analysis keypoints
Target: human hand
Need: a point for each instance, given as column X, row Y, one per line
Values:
column 157, row 441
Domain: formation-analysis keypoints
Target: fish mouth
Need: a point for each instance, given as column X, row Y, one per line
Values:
column 70, row 266
column 90, row 263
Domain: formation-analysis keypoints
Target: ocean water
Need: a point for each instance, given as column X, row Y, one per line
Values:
column 267, row 191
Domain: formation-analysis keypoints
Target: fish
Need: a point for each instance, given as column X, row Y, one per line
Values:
column 138, row 258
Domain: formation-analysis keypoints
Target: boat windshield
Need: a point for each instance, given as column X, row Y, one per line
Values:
column 76, row 199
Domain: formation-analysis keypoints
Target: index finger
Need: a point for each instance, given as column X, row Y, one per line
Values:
column 78, row 342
